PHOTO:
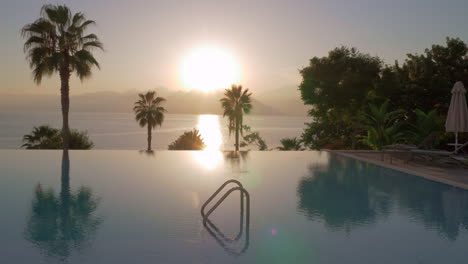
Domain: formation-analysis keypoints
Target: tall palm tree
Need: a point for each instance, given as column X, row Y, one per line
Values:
column 56, row 43
column 149, row 112
column 235, row 103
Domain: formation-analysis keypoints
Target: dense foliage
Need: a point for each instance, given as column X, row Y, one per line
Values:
column 46, row 137
column 190, row 140
column 341, row 86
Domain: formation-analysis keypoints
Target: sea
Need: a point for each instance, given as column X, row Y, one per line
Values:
column 121, row 131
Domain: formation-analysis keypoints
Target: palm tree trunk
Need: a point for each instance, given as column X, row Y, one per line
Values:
column 237, row 135
column 65, row 196
column 65, row 181
column 149, row 137
column 65, row 100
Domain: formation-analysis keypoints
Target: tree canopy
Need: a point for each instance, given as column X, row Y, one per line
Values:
column 340, row 86
column 57, row 42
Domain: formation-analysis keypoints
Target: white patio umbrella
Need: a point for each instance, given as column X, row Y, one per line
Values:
column 457, row 117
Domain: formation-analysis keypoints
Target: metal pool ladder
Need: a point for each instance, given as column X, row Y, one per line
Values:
column 216, row 233
column 243, row 192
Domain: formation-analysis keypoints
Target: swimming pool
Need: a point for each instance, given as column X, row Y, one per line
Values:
column 306, row 207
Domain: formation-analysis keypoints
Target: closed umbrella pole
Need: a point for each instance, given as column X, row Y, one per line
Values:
column 457, row 116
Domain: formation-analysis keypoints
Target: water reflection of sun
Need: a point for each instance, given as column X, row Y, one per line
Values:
column 208, row 159
column 208, row 125
column 211, row 156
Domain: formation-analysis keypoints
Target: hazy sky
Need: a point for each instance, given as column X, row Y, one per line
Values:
column 146, row 41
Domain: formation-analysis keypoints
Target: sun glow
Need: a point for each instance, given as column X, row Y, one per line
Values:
column 209, row 68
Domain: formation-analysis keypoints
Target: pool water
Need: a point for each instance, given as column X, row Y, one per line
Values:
column 305, row 207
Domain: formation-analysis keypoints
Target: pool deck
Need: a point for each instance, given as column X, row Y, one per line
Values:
column 455, row 176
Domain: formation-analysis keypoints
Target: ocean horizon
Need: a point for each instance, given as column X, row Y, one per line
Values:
column 121, row 131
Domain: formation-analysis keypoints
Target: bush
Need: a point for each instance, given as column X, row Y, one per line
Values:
column 190, row 140
column 253, row 138
column 290, row 144
column 46, row 137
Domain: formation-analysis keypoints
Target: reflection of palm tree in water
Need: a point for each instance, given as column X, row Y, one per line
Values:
column 58, row 224
column 235, row 158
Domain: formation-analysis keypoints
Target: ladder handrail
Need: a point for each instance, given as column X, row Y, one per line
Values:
column 214, row 231
column 243, row 192
column 216, row 193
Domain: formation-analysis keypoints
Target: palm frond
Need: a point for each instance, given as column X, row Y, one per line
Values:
column 58, row 34
column 148, row 110
column 235, row 103
column 93, row 44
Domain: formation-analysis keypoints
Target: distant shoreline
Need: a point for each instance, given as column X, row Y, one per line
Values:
column 129, row 112
column 286, row 103
column 120, row 131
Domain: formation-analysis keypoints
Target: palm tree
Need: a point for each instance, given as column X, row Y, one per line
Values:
column 46, row 137
column 42, row 137
column 383, row 126
column 290, row 144
column 235, row 103
column 424, row 125
column 190, row 140
column 149, row 112
column 56, row 42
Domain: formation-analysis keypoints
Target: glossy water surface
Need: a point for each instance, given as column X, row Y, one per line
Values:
column 306, row 207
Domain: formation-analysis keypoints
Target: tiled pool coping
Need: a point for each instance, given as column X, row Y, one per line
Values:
column 453, row 177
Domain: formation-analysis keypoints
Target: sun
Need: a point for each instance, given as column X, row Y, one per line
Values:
column 209, row 68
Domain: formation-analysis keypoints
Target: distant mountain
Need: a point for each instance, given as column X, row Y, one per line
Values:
column 178, row 102
column 287, row 100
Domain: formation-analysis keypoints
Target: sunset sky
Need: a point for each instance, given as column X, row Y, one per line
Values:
column 147, row 42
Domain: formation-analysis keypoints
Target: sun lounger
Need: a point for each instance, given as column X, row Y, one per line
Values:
column 404, row 149
column 396, row 149
column 459, row 147
column 400, row 147
column 423, row 152
column 441, row 157
column 433, row 152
